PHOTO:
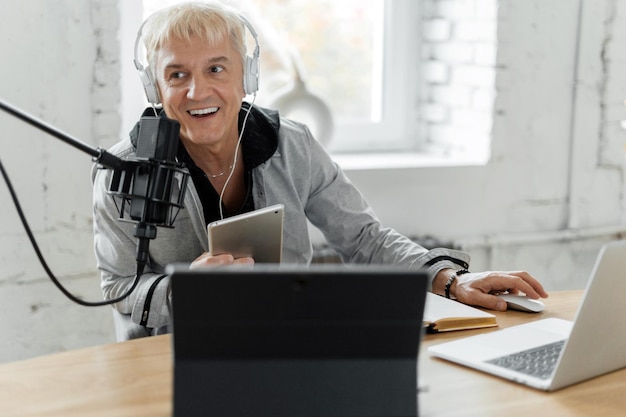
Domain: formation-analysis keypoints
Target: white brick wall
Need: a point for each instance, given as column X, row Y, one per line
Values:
column 63, row 59
column 106, row 91
column 436, row 30
column 458, row 83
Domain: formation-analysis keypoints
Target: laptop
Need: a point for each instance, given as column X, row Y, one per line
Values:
column 592, row 345
column 257, row 234
column 269, row 340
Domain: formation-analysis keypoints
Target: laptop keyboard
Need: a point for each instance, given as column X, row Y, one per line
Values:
column 538, row 362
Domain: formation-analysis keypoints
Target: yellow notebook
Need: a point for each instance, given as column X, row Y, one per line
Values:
column 444, row 315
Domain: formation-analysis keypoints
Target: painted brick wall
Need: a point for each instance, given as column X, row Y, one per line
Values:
column 458, row 52
column 60, row 61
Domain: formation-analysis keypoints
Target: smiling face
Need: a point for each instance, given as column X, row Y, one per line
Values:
column 201, row 86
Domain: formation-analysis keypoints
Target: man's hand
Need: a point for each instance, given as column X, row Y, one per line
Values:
column 479, row 288
column 207, row 259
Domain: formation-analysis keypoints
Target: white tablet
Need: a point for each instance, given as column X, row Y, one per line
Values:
column 257, row 234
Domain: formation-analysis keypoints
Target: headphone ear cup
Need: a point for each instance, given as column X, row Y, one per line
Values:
column 149, row 86
column 251, row 75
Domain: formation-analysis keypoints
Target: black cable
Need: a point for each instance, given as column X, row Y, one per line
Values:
column 18, row 207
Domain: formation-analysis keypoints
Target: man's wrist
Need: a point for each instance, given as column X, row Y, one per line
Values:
column 441, row 279
column 445, row 282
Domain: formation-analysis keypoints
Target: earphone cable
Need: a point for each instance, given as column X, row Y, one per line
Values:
column 232, row 169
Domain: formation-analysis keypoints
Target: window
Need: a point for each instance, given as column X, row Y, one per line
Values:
column 358, row 56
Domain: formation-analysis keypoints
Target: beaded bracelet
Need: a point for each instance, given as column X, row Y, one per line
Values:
column 451, row 280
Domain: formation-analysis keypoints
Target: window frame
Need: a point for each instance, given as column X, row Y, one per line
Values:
column 398, row 127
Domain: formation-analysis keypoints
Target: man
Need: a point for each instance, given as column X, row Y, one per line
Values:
column 242, row 157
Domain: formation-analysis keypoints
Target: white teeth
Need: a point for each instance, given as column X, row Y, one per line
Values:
column 200, row 112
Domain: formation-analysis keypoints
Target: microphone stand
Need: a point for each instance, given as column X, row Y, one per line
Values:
column 153, row 195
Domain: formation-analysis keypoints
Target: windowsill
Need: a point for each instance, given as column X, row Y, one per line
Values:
column 397, row 160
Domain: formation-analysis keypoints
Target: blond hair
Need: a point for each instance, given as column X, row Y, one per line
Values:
column 210, row 21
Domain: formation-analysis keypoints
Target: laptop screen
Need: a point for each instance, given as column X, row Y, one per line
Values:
column 298, row 341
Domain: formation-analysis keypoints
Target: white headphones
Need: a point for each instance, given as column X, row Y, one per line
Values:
column 250, row 70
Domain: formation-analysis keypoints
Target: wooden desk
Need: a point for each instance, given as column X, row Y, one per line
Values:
column 135, row 379
column 453, row 390
column 122, row 379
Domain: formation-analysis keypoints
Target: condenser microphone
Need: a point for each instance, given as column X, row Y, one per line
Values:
column 152, row 192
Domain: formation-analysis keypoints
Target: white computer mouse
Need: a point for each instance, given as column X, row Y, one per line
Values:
column 522, row 303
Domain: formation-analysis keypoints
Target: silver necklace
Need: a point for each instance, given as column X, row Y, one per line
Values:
column 219, row 174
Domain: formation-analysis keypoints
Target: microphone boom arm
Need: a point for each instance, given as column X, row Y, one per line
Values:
column 98, row 155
